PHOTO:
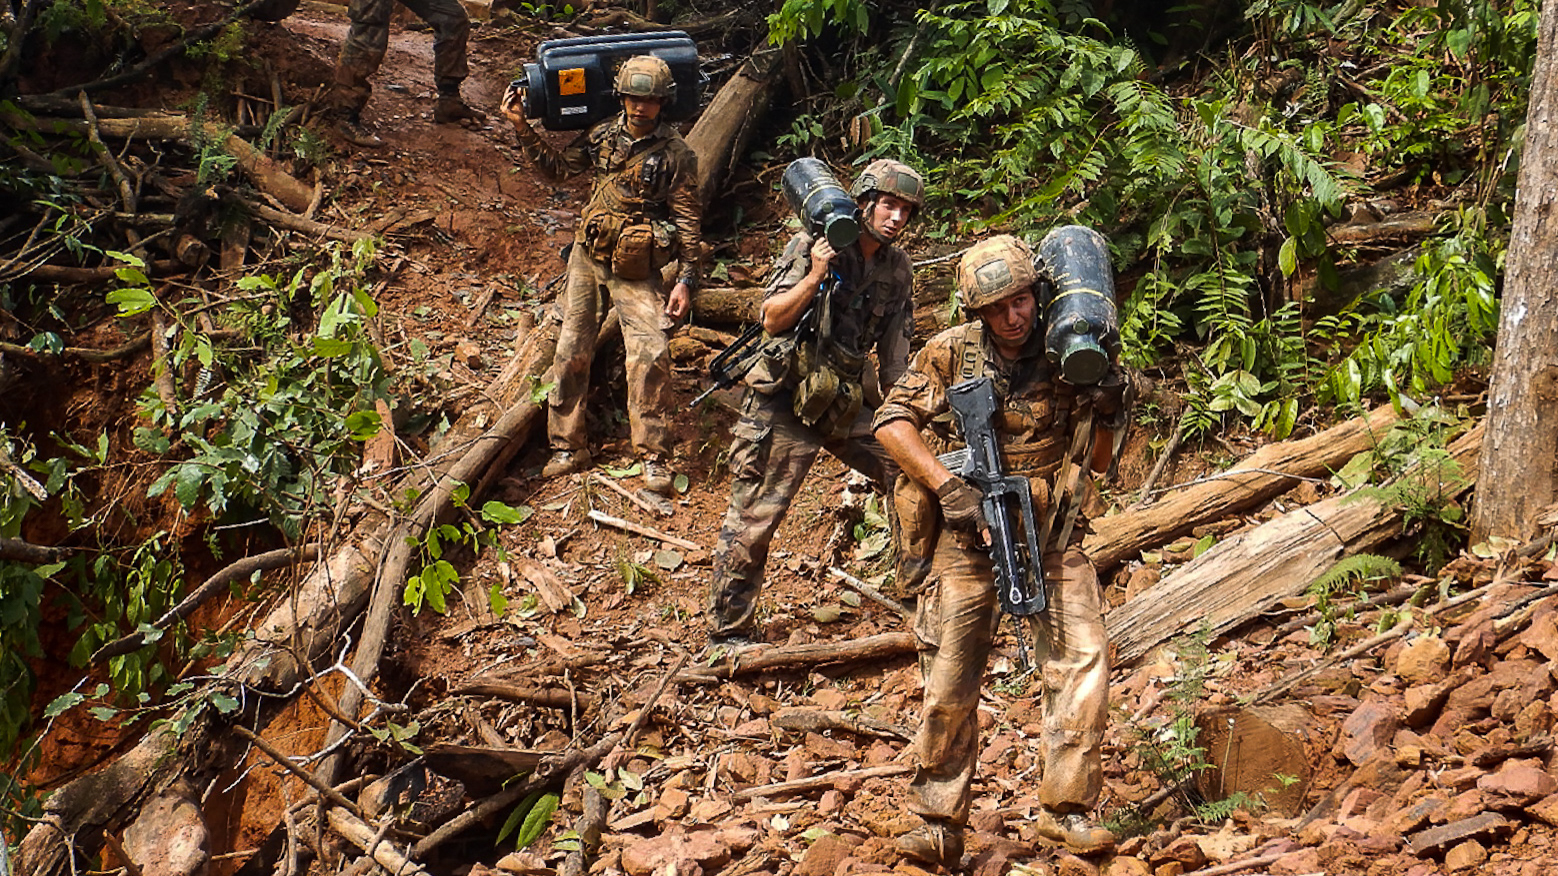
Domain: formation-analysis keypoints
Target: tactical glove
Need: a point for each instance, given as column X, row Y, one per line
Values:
column 960, row 506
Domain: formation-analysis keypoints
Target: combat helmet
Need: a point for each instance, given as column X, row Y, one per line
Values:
column 994, row 269
column 890, row 177
column 645, row 76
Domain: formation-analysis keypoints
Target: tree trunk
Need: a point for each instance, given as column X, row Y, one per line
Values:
column 1521, row 462
column 722, row 132
column 1253, row 749
column 1244, row 575
column 1262, row 476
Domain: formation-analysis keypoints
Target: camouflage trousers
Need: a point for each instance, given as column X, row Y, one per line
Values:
column 368, row 39
column 771, row 452
column 641, row 312
column 954, row 622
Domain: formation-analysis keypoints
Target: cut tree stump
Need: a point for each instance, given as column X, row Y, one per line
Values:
column 720, row 135
column 1243, row 576
column 1259, row 478
column 1262, row 750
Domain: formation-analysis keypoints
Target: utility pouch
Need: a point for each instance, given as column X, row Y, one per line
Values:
column 827, row 398
column 632, row 258
column 600, row 235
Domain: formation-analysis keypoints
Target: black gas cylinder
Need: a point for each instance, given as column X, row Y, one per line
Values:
column 572, row 83
column 1081, row 326
column 822, row 205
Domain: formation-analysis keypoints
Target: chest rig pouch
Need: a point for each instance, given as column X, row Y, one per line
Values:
column 625, row 235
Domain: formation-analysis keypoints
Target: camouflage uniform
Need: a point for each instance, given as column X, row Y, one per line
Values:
column 772, row 450
column 955, row 620
column 653, row 179
column 368, row 39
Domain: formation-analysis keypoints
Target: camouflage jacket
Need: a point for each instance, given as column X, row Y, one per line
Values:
column 653, row 179
column 873, row 304
column 1036, row 407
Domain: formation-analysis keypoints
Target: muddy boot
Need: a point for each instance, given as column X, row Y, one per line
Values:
column 936, row 842
column 350, row 127
column 658, row 476
column 452, row 109
column 565, row 462
column 1075, row 831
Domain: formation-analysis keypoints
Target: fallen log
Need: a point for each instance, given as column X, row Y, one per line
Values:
column 1259, row 478
column 267, row 174
column 766, row 658
column 1244, row 575
column 517, row 691
column 728, row 305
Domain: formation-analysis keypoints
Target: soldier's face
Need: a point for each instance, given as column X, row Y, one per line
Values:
column 642, row 112
column 889, row 216
column 1010, row 320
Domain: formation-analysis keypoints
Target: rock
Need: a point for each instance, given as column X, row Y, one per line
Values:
column 1436, row 841
column 691, row 853
column 1466, row 856
column 1184, row 851
column 1424, row 660
column 673, row 803
column 1517, row 784
column 1416, row 816
column 1367, row 731
column 1542, row 635
column 1422, row 703
column 523, row 862
column 1545, row 810
column 825, row 856
column 1294, row 863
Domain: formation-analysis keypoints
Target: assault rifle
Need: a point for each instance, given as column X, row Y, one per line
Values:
column 736, row 360
column 1019, row 578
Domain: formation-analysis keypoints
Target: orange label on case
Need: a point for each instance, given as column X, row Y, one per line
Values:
column 570, row 82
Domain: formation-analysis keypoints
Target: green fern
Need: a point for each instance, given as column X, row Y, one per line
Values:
column 1356, row 569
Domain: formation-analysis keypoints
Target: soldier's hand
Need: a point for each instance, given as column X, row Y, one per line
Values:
column 822, row 253
column 679, row 302
column 960, row 506
column 513, row 106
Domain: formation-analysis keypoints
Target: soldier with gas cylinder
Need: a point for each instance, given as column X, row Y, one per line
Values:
column 805, row 393
column 643, row 213
column 363, row 51
column 1049, row 431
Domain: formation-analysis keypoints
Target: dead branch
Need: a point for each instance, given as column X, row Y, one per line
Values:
column 286, row 763
column 767, row 658
column 640, row 529
column 106, row 156
column 869, row 592
column 19, row 551
column 210, row 587
column 523, row 692
column 611, row 484
column 305, row 226
column 547, row 775
column 365, row 838
column 800, row 720
column 841, row 778
column 66, row 274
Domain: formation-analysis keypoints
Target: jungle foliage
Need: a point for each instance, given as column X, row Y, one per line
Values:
column 1215, row 174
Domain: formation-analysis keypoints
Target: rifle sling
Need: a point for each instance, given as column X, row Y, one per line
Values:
column 1065, row 505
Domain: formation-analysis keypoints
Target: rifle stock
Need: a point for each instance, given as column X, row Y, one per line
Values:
column 1019, row 576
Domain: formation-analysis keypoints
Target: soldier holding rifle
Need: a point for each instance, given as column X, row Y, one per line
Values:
column 1048, row 431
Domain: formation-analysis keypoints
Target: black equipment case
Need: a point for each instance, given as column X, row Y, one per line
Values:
column 572, row 84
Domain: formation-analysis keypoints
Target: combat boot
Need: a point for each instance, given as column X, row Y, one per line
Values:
column 452, row 109
column 565, row 462
column 349, row 126
column 1074, row 830
column 657, row 476
column 936, row 842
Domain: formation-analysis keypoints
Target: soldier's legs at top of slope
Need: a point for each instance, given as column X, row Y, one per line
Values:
column 363, row 51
